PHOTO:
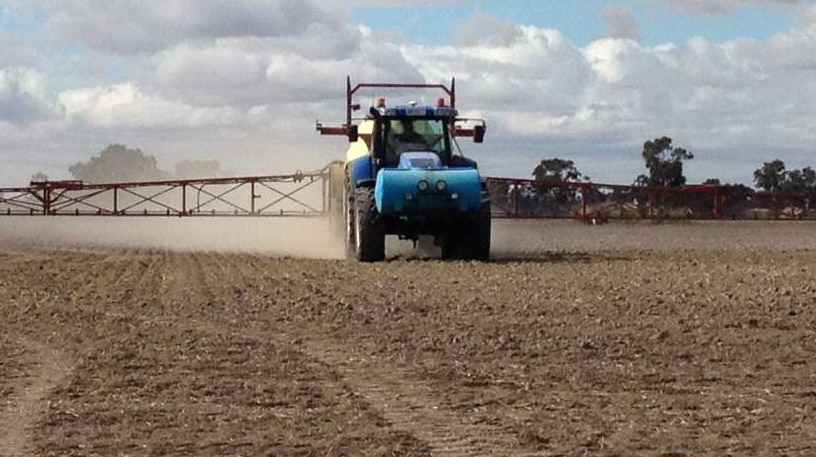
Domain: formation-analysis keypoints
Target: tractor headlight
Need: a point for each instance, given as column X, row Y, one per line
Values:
column 422, row 185
column 441, row 186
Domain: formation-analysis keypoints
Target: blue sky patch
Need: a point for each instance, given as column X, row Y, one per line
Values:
column 580, row 21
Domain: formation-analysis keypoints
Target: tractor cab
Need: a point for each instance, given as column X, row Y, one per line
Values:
column 420, row 134
column 414, row 135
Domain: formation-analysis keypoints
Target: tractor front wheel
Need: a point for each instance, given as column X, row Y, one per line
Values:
column 477, row 235
column 471, row 240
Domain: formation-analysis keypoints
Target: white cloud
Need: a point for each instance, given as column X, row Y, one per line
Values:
column 620, row 22
column 25, row 98
column 15, row 52
column 244, row 73
column 539, row 71
column 809, row 14
column 152, row 25
column 725, row 98
column 407, row 3
column 795, row 49
column 484, row 29
column 715, row 7
column 125, row 106
column 218, row 69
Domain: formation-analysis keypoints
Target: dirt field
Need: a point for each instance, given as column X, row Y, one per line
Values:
column 668, row 340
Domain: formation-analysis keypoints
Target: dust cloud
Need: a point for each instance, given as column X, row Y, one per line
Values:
column 307, row 238
column 519, row 239
column 312, row 238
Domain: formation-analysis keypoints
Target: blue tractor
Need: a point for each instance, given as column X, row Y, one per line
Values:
column 404, row 175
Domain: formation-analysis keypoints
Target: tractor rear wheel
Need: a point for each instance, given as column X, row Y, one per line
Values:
column 350, row 223
column 369, row 230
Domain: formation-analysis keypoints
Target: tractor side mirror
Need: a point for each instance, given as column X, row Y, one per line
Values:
column 353, row 133
column 479, row 133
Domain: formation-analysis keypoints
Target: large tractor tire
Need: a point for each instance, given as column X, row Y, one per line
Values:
column 350, row 223
column 471, row 241
column 477, row 235
column 451, row 247
column 369, row 234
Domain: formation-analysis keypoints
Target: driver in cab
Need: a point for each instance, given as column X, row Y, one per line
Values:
column 403, row 138
column 410, row 136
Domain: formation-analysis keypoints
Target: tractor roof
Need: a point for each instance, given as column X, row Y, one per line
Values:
column 417, row 111
column 445, row 108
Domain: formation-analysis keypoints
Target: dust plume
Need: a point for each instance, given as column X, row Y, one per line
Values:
column 520, row 239
column 312, row 238
column 309, row 238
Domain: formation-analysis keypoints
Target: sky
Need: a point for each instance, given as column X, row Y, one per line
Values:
column 243, row 82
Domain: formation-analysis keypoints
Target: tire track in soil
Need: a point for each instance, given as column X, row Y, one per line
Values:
column 48, row 366
column 55, row 288
column 77, row 290
column 414, row 407
column 19, row 418
column 149, row 283
column 410, row 406
column 176, row 279
column 201, row 265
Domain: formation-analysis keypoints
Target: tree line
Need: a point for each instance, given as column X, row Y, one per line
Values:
column 664, row 165
column 118, row 163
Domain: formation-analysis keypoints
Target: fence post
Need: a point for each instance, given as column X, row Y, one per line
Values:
column 718, row 203
column 515, row 193
column 46, row 199
column 584, row 201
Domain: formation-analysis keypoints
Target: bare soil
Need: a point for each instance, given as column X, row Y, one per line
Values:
column 670, row 340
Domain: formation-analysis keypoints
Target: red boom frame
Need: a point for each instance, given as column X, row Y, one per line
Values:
column 307, row 195
column 221, row 197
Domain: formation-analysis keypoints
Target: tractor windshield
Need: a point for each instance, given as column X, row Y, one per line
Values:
column 415, row 135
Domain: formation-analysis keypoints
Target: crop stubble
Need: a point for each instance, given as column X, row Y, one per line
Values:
column 658, row 346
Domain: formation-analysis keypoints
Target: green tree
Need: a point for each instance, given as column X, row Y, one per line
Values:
column 558, row 170
column 809, row 179
column 803, row 180
column 664, row 162
column 118, row 163
column 771, row 176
